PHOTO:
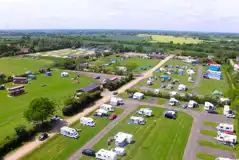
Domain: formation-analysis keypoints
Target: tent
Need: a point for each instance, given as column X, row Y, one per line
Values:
column 214, row 68
column 181, row 72
column 48, row 73
column 64, row 74
column 28, row 73
column 216, row 92
column 214, row 74
column 164, row 77
column 32, row 77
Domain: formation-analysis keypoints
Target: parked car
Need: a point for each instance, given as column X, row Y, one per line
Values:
column 88, row 152
column 184, row 106
column 97, row 77
column 170, row 116
column 115, row 93
column 131, row 95
column 97, row 114
column 56, row 118
column 43, row 136
column 112, row 116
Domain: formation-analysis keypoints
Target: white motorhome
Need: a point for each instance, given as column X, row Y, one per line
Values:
column 136, row 120
column 145, row 112
column 149, row 82
column 225, row 127
column 173, row 102
column 69, row 132
column 119, row 151
column 208, row 106
column 138, row 96
column 115, row 101
column 192, row 104
column 107, row 107
column 226, row 110
column 104, row 154
column 122, row 139
column 182, row 87
column 87, row 121
column 229, row 138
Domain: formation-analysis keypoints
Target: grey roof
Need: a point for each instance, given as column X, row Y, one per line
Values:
column 89, row 88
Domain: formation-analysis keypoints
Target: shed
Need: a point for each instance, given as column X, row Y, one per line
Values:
column 90, row 88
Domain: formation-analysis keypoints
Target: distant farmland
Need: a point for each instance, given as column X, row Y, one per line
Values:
column 167, row 39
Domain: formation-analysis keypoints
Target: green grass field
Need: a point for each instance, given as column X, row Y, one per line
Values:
column 56, row 88
column 61, row 147
column 158, row 139
column 204, row 156
column 175, row 40
column 215, row 145
column 208, row 133
column 15, row 66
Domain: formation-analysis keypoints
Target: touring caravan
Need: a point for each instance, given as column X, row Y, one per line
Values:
column 119, row 151
column 225, row 127
column 138, row 96
column 107, row 107
column 86, row 121
column 182, row 87
column 145, row 112
column 69, row 132
column 208, row 106
column 149, row 82
column 173, row 102
column 136, row 120
column 192, row 104
column 226, row 110
column 122, row 139
column 101, row 112
column 227, row 138
column 114, row 101
column 103, row 154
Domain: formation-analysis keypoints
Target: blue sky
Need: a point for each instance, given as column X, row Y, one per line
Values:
column 190, row 15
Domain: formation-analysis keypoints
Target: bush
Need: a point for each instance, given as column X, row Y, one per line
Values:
column 111, row 86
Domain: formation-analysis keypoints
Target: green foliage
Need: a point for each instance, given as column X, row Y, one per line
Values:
column 39, row 110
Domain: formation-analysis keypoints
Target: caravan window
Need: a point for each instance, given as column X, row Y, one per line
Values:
column 221, row 126
column 227, row 127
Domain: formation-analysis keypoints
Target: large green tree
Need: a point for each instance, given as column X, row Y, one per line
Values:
column 40, row 109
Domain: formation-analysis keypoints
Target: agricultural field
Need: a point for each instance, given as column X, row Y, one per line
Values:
column 175, row 40
column 158, row 139
column 61, row 147
column 15, row 66
column 136, row 63
column 53, row 87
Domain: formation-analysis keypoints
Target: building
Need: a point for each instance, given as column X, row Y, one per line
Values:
column 91, row 88
column 20, row 80
column 16, row 91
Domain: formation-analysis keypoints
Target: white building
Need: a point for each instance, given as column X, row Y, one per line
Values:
column 87, row 121
column 208, row 106
column 138, row 96
column 115, row 101
column 64, row 74
column 225, row 127
column 107, row 107
column 69, row 132
column 182, row 87
column 122, row 139
column 136, row 120
column 104, row 154
column 192, row 104
column 145, row 112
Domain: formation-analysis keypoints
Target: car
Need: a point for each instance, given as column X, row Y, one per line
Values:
column 163, row 86
column 112, row 116
column 88, row 152
column 131, row 95
column 170, row 115
column 97, row 77
column 184, row 106
column 43, row 136
column 56, row 118
column 115, row 93
column 97, row 114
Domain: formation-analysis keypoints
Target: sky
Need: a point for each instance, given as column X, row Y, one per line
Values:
column 185, row 15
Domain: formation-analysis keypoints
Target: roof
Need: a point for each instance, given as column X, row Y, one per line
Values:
column 19, row 78
column 17, row 87
column 138, row 94
column 89, row 88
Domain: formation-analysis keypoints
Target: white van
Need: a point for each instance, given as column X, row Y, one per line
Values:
column 225, row 127
column 69, row 132
column 86, row 121
column 107, row 107
column 104, row 154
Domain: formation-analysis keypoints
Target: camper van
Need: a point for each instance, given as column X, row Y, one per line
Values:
column 208, row 106
column 103, row 154
column 145, row 112
column 86, row 121
column 136, row 120
column 122, row 139
column 69, row 132
column 107, row 107
column 173, row 102
column 192, row 104
column 226, row 138
column 225, row 127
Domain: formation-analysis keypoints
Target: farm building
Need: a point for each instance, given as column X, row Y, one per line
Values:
column 90, row 88
column 15, row 91
column 20, row 80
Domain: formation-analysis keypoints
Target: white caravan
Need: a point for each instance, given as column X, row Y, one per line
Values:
column 226, row 110
column 227, row 138
column 221, row 158
column 101, row 111
column 173, row 93
column 192, row 104
column 136, row 120
column 173, row 102
column 107, row 107
column 138, row 96
column 182, row 87
column 119, row 151
column 116, row 101
column 69, row 132
column 225, row 127
column 122, row 139
column 86, row 121
column 64, row 74
column 104, row 154
column 145, row 112
column 208, row 106
column 149, row 82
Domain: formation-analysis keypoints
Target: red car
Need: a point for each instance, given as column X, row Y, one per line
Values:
column 112, row 116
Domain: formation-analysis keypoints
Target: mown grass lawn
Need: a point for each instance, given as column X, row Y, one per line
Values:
column 204, row 156
column 56, row 88
column 212, row 124
column 61, row 147
column 16, row 66
column 215, row 145
column 208, row 133
column 158, row 139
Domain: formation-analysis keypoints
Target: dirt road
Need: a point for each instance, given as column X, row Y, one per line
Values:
column 30, row 146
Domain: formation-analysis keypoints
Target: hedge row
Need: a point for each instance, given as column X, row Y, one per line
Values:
column 75, row 105
column 111, row 86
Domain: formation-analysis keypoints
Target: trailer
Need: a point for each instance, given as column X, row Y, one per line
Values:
column 145, row 112
column 69, row 132
column 115, row 101
column 122, row 139
column 208, row 106
column 119, row 151
column 225, row 127
column 138, row 96
column 226, row 138
column 107, row 107
column 192, row 104
column 86, row 121
column 104, row 154
column 136, row 120
column 173, row 102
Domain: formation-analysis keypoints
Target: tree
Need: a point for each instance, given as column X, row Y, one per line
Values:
column 39, row 110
